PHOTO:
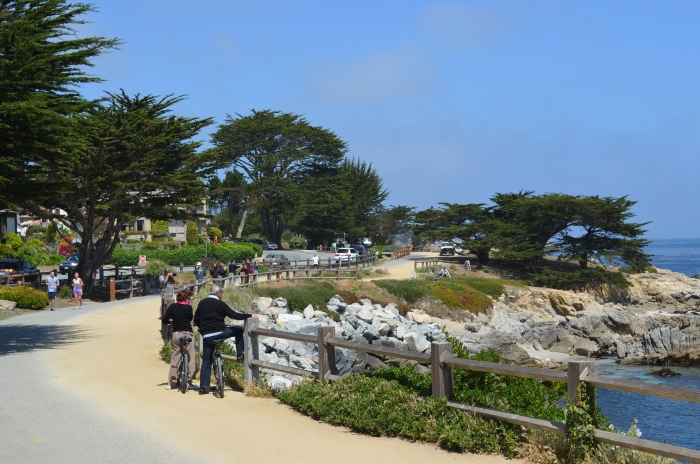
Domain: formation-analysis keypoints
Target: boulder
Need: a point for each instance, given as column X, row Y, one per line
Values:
column 262, row 302
column 309, row 312
column 288, row 317
column 384, row 329
column 417, row 342
column 365, row 315
column 6, row 305
column 584, row 347
column 277, row 382
column 302, row 326
column 473, row 327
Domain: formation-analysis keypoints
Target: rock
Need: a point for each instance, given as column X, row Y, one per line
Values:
column 474, row 327
column 309, row 312
column 289, row 317
column 277, row 382
column 421, row 318
column 584, row 347
column 514, row 354
column 365, row 315
column 366, row 302
column 392, row 309
column 262, row 302
column 665, row 372
column 302, row 326
column 384, row 329
column 342, row 363
column 417, row 342
column 320, row 315
column 6, row 305
column 299, row 362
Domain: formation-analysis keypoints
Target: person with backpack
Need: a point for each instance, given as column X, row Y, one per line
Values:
column 200, row 275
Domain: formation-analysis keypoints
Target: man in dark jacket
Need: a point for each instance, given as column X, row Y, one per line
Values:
column 209, row 318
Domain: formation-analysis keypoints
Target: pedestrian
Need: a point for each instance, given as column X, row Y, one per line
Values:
column 200, row 275
column 52, row 287
column 233, row 267
column 315, row 261
column 256, row 269
column 216, row 239
column 245, row 270
column 78, row 290
column 179, row 314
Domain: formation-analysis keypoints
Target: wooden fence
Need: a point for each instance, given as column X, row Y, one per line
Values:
column 20, row 279
column 425, row 263
column 401, row 253
column 443, row 362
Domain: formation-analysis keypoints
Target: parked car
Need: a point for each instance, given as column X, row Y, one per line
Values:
column 345, row 254
column 269, row 246
column 367, row 242
column 257, row 241
column 14, row 268
column 446, row 248
column 68, row 266
column 458, row 249
column 276, row 260
column 361, row 249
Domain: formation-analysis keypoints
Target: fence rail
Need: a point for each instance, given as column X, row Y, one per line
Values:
column 442, row 364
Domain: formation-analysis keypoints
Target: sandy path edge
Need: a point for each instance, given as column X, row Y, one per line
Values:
column 118, row 369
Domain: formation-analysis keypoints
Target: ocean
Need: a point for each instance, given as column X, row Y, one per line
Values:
column 659, row 419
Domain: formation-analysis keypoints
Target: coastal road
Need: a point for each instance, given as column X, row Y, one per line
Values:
column 44, row 422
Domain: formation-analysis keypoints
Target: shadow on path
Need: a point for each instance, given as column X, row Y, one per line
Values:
column 24, row 338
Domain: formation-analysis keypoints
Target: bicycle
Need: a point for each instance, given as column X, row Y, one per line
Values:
column 218, row 367
column 183, row 368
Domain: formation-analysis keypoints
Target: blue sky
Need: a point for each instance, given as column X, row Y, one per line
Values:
column 451, row 101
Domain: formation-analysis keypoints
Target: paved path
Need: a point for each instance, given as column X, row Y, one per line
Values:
column 88, row 386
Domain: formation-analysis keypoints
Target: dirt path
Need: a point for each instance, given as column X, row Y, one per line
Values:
column 118, row 370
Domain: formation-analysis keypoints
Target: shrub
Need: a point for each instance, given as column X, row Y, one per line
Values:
column 297, row 243
column 6, row 251
column 579, row 280
column 171, row 245
column 188, row 255
column 25, row 297
column 191, row 233
column 166, row 352
column 394, row 247
column 301, row 295
column 52, row 232
column 151, row 245
column 46, row 259
column 214, row 232
column 13, row 240
column 161, row 226
column 155, row 267
column 64, row 292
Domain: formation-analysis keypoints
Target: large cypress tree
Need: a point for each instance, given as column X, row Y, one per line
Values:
column 42, row 63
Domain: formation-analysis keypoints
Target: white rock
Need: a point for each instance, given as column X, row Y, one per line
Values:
column 309, row 312
column 417, row 342
column 320, row 314
column 288, row 317
column 277, row 382
column 384, row 328
column 365, row 315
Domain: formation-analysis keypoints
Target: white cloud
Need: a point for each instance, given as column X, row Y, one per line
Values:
column 455, row 24
column 399, row 71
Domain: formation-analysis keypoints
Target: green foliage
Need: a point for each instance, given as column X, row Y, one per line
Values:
column 166, row 352
column 579, row 280
column 278, row 153
column 188, row 255
column 394, row 247
column 301, row 295
column 25, row 297
column 214, row 232
column 161, row 226
column 191, row 233
column 456, row 293
column 386, row 222
column 52, row 232
column 151, row 245
column 64, row 292
column 13, row 240
column 580, row 424
column 171, row 245
column 297, row 243
column 42, row 64
column 228, row 197
column 6, row 251
column 155, row 267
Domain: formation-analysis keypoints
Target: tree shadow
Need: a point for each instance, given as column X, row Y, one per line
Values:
column 25, row 338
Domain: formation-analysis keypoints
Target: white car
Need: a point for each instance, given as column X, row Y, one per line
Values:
column 345, row 254
column 446, row 248
column 458, row 249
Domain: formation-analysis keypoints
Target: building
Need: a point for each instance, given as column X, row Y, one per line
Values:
column 177, row 230
column 9, row 222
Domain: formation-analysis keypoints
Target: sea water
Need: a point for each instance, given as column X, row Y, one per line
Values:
column 659, row 419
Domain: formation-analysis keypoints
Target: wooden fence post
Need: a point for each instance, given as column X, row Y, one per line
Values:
column 356, row 274
column 442, row 375
column 575, row 373
column 337, row 273
column 131, row 286
column 321, row 272
column 112, row 289
column 294, row 273
column 326, row 354
column 250, row 340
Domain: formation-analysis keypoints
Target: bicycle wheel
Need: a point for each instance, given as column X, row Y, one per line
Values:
column 184, row 371
column 220, row 377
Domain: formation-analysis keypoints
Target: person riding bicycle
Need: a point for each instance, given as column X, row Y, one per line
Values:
column 180, row 313
column 210, row 318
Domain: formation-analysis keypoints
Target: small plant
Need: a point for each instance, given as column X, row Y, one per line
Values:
column 166, row 352
column 25, row 297
column 259, row 389
column 297, row 243
column 6, row 251
column 155, row 267
column 214, row 232
column 64, row 292
column 191, row 233
column 487, row 270
column 580, row 425
column 13, row 240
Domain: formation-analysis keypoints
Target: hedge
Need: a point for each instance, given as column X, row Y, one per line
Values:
column 25, row 297
column 188, row 255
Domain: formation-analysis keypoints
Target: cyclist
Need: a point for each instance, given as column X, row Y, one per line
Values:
column 210, row 318
column 180, row 313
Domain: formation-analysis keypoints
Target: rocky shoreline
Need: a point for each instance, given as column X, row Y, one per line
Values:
column 654, row 322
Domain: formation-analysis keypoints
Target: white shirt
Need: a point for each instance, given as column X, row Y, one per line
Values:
column 315, row 260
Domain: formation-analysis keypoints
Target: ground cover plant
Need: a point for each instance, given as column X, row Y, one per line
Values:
column 25, row 297
column 188, row 255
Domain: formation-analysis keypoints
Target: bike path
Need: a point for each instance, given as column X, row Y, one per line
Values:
column 42, row 422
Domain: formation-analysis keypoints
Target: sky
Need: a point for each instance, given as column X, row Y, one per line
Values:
column 450, row 101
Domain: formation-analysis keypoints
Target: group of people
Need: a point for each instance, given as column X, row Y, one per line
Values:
column 210, row 319
column 246, row 268
column 52, row 284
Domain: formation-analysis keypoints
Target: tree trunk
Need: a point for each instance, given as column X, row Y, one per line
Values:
column 239, row 232
column 584, row 263
column 273, row 228
column 481, row 255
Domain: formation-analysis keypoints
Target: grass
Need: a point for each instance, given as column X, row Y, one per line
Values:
column 301, row 294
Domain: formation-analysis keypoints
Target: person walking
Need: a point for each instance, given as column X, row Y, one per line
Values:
column 200, row 276
column 77, row 285
column 52, row 285
column 179, row 314
column 245, row 270
column 314, row 260
column 210, row 319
